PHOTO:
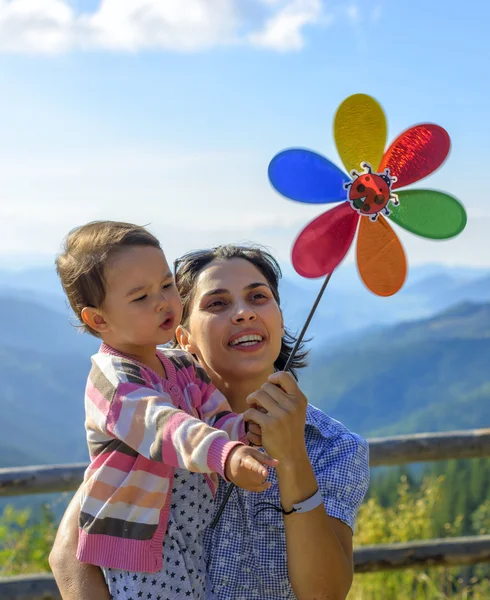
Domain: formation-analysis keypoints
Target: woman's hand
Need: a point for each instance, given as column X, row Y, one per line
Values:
column 282, row 425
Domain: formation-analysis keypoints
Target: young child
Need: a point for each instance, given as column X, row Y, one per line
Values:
column 158, row 431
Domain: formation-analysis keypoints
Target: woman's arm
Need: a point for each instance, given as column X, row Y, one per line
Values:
column 76, row 580
column 319, row 547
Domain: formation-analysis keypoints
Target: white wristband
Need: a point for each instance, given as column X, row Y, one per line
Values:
column 307, row 505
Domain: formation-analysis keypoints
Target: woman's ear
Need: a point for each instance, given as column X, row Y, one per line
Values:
column 184, row 339
column 94, row 319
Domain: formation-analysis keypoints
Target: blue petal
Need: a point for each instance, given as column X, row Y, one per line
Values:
column 305, row 176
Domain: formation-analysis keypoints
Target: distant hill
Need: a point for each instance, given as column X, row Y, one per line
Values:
column 346, row 309
column 44, row 363
column 30, row 325
column 41, row 402
column 429, row 375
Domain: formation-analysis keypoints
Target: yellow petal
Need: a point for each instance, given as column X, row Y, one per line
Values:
column 360, row 132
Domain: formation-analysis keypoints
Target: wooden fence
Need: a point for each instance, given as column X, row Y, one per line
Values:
column 395, row 450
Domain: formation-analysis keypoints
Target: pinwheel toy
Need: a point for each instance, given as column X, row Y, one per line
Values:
column 367, row 199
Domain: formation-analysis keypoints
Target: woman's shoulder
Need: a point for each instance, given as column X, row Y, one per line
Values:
column 326, row 426
column 327, row 437
column 340, row 460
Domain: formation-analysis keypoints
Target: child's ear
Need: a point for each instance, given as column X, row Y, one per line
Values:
column 184, row 339
column 94, row 319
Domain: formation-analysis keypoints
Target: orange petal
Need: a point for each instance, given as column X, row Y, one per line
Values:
column 380, row 257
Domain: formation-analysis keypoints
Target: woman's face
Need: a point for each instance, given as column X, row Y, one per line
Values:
column 235, row 325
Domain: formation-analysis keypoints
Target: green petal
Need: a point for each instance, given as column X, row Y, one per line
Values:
column 429, row 214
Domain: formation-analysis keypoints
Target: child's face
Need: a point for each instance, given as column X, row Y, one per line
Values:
column 142, row 306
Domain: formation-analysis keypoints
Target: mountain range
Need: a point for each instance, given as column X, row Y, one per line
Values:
column 419, row 361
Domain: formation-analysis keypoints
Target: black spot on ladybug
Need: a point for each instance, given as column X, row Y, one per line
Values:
column 379, row 199
column 368, row 178
column 366, row 207
column 361, row 188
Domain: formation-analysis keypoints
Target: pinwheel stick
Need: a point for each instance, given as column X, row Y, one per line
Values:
column 232, row 486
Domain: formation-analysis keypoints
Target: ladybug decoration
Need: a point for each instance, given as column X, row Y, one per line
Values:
column 370, row 193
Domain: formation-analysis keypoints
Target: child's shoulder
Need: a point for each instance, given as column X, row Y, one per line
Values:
column 184, row 362
column 117, row 368
column 180, row 358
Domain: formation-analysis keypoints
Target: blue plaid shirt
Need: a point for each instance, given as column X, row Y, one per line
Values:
column 246, row 554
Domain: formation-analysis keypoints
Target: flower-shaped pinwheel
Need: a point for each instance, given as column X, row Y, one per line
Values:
column 360, row 134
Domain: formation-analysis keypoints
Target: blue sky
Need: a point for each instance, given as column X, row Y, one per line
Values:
column 168, row 111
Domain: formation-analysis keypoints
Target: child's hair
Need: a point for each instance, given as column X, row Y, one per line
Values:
column 85, row 255
column 188, row 267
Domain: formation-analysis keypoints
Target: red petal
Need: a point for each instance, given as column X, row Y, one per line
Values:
column 323, row 243
column 416, row 153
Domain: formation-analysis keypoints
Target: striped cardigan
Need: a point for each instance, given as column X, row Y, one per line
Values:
column 140, row 426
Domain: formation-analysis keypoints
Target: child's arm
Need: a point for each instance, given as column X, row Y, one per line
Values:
column 215, row 408
column 149, row 423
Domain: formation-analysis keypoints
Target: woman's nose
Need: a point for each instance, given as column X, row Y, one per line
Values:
column 244, row 315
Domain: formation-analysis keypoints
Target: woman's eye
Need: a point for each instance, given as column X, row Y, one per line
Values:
column 259, row 296
column 216, row 304
column 140, row 298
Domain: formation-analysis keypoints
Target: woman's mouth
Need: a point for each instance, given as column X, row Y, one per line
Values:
column 247, row 342
column 167, row 324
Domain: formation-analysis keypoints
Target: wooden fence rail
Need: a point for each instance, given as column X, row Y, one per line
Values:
column 395, row 450
column 367, row 559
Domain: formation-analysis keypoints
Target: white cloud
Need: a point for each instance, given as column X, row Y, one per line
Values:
column 284, row 30
column 53, row 27
column 172, row 24
column 44, row 26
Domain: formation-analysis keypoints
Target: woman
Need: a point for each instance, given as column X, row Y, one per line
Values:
column 261, row 548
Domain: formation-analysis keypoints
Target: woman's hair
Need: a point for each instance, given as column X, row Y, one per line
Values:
column 189, row 266
column 86, row 252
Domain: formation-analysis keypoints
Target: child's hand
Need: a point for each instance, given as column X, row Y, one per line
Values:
column 245, row 468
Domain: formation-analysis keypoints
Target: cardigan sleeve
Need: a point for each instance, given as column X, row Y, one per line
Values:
column 122, row 405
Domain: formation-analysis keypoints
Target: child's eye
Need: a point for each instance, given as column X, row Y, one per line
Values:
column 140, row 298
column 168, row 285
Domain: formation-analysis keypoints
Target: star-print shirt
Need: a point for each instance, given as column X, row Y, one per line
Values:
column 183, row 575
column 246, row 554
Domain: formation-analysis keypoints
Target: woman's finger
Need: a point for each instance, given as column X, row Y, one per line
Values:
column 286, row 381
column 264, row 399
column 257, row 416
column 254, row 428
column 254, row 438
column 279, row 396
